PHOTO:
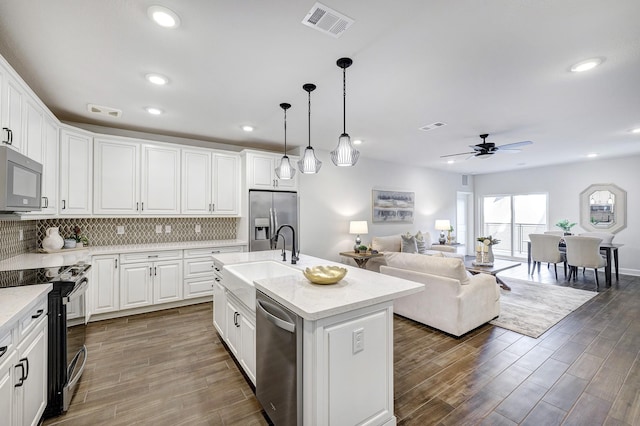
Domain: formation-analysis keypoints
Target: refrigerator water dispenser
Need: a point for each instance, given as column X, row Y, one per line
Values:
column 261, row 228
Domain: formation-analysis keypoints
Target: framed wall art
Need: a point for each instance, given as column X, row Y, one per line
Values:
column 393, row 206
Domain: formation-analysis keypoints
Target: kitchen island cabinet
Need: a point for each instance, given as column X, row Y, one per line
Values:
column 347, row 338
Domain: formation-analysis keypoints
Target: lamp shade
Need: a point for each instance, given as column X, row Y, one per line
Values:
column 443, row 224
column 358, row 227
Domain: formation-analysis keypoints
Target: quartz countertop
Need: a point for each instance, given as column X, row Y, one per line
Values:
column 16, row 301
column 74, row 256
column 359, row 288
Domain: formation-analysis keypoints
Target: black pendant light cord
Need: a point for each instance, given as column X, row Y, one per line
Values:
column 285, row 107
column 344, row 100
column 309, row 93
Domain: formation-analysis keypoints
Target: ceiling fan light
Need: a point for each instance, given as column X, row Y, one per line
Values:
column 284, row 170
column 345, row 155
column 587, row 65
column 309, row 163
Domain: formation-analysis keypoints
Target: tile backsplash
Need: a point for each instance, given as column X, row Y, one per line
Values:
column 10, row 243
column 103, row 231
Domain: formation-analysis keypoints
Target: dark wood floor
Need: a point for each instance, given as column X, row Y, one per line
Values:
column 169, row 368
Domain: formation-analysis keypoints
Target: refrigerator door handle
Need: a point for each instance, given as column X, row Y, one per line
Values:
column 275, row 219
column 271, row 228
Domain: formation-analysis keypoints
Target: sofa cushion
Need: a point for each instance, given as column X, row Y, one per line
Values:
column 449, row 267
column 385, row 244
column 409, row 243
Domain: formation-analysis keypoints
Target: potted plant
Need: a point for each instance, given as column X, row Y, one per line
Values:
column 81, row 240
column 566, row 226
column 484, row 251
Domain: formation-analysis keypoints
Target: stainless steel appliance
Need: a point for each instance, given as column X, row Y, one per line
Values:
column 20, row 182
column 268, row 210
column 278, row 361
column 67, row 352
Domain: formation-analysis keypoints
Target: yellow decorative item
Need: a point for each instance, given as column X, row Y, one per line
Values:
column 325, row 274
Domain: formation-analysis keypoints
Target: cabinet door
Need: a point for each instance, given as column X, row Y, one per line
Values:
column 7, row 381
column 105, row 284
column 226, row 184
column 76, row 173
column 219, row 308
column 116, row 177
column 32, row 395
column 167, row 281
column 248, row 346
column 260, row 171
column 196, row 182
column 136, row 285
column 33, row 125
column 50, row 167
column 233, row 327
column 160, row 180
column 13, row 113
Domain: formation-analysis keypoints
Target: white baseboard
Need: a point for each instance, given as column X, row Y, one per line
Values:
column 147, row 309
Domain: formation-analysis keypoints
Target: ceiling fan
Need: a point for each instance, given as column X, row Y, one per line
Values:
column 487, row 149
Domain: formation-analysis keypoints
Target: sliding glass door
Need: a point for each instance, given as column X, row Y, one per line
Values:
column 511, row 218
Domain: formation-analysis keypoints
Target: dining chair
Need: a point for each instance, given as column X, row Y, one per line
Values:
column 606, row 237
column 558, row 233
column 584, row 252
column 544, row 248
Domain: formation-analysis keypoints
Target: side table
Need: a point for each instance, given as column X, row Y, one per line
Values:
column 361, row 259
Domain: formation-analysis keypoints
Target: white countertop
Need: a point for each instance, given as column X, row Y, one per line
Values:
column 16, row 301
column 73, row 256
column 360, row 287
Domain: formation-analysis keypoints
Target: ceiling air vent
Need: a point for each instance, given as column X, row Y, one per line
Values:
column 103, row 110
column 433, row 126
column 327, row 20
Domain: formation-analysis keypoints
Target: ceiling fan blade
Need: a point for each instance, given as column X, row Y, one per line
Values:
column 460, row 153
column 514, row 145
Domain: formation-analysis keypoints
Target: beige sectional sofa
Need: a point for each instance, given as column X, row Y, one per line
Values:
column 453, row 300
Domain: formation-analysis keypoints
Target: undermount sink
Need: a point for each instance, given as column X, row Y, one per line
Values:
column 239, row 278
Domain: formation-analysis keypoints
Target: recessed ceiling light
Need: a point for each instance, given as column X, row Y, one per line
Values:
column 357, row 141
column 153, row 110
column 586, row 65
column 450, row 161
column 164, row 17
column 158, row 79
column 247, row 128
column 637, row 130
column 592, row 155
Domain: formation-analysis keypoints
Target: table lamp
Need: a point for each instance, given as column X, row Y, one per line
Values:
column 443, row 225
column 358, row 227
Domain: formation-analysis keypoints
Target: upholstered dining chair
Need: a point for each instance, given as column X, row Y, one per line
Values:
column 606, row 237
column 584, row 252
column 544, row 248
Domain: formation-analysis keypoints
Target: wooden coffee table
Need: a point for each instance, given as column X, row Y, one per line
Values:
column 361, row 259
column 498, row 266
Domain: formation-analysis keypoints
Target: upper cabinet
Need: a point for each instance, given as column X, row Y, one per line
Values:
column 136, row 178
column 210, row 183
column 76, row 172
column 11, row 111
column 260, row 169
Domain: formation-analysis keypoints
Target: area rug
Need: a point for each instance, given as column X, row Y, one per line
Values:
column 532, row 308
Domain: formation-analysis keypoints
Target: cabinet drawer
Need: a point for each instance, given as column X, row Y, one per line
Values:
column 198, row 267
column 198, row 287
column 6, row 344
column 29, row 320
column 150, row 256
column 206, row 251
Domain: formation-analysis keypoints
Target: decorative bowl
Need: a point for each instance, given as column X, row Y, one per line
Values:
column 325, row 274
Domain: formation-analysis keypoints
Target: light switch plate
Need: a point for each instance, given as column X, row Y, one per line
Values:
column 358, row 340
column 158, row 229
column 167, row 229
column 120, row 230
column 21, row 235
column 198, row 229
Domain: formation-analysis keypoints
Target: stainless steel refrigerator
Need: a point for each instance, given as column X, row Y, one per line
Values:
column 268, row 210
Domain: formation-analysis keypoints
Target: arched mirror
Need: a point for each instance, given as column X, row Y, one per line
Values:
column 603, row 207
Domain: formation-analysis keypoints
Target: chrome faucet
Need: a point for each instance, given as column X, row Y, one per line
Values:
column 284, row 244
column 294, row 253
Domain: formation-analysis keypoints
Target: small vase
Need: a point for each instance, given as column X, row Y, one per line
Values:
column 490, row 255
column 52, row 241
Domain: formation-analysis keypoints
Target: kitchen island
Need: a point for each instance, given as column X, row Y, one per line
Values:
column 347, row 335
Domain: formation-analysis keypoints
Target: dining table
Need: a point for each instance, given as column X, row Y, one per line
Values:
column 610, row 251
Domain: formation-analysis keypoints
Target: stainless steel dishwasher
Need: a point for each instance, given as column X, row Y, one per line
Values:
column 278, row 361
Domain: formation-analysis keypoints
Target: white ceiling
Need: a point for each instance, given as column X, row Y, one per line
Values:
column 481, row 66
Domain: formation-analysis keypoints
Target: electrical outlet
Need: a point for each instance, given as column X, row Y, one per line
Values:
column 198, row 229
column 20, row 235
column 120, row 230
column 358, row 340
column 158, row 229
column 167, row 229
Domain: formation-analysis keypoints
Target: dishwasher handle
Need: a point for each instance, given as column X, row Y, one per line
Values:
column 278, row 322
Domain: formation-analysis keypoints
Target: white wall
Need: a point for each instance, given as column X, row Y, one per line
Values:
column 336, row 195
column 564, row 183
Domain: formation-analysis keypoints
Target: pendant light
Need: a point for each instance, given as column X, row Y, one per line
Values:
column 284, row 170
column 345, row 154
column 309, row 163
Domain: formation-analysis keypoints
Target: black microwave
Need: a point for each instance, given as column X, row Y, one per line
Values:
column 20, row 182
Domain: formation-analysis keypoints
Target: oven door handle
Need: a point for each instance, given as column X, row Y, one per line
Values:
column 67, row 392
column 80, row 289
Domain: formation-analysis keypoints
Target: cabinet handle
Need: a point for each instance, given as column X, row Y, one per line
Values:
column 152, row 256
column 116, row 263
column 142, row 206
column 21, row 375
column 155, row 270
column 217, row 269
column 137, row 205
column 64, row 204
column 150, row 271
column 46, row 202
column 3, row 350
column 37, row 314
column 213, row 207
column 215, row 251
column 216, row 279
column 6, row 129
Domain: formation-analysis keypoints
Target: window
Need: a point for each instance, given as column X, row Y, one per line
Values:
column 511, row 218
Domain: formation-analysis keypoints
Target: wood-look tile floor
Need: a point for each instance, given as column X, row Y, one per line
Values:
column 170, row 368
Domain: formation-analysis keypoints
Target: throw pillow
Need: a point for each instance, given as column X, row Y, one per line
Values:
column 420, row 243
column 408, row 243
column 384, row 244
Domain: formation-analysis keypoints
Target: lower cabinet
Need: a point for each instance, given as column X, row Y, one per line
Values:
column 241, row 334
column 8, row 361
column 104, row 291
column 149, row 283
column 199, row 270
column 219, row 308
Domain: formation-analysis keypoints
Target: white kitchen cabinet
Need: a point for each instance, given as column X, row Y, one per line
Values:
column 219, row 308
column 135, row 178
column 167, row 281
column 12, row 104
column 50, row 165
column 8, row 361
column 260, row 169
column 136, row 287
column 104, row 290
column 33, row 131
column 210, row 183
column 31, row 396
column 199, row 272
column 241, row 334
column 76, row 172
